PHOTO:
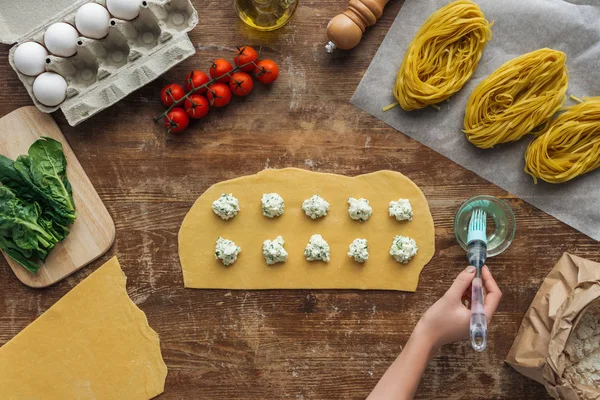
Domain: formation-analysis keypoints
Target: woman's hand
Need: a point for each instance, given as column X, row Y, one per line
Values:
column 448, row 319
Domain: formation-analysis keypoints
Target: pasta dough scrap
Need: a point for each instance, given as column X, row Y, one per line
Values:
column 201, row 227
column 94, row 343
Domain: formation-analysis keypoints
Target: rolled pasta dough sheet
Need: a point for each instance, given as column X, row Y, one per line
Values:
column 201, row 228
column 94, row 343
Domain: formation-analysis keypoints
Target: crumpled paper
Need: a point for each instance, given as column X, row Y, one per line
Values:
column 519, row 27
column 538, row 351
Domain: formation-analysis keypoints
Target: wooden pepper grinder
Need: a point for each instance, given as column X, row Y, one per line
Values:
column 345, row 30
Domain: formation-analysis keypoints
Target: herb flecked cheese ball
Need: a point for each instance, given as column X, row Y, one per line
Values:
column 359, row 250
column 274, row 252
column 359, row 209
column 401, row 210
column 226, row 206
column 317, row 249
column 403, row 249
column 315, row 207
column 272, row 205
column 226, row 251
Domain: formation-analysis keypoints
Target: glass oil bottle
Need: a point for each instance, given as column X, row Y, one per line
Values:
column 265, row 15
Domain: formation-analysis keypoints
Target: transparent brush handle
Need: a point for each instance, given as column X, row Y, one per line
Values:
column 478, row 321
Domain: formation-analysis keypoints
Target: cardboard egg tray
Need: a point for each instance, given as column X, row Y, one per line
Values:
column 103, row 71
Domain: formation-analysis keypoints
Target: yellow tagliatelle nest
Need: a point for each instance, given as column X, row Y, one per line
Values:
column 516, row 98
column 569, row 146
column 442, row 56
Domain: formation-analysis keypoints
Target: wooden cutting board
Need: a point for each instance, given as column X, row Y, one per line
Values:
column 93, row 232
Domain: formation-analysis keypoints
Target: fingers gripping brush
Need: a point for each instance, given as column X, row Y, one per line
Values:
column 477, row 254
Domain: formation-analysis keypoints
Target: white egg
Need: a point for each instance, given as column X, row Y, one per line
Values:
column 61, row 39
column 124, row 9
column 92, row 20
column 50, row 89
column 30, row 58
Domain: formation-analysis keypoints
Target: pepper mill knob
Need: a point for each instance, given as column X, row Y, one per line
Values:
column 345, row 30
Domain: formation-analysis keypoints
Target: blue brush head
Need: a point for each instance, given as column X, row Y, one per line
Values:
column 477, row 228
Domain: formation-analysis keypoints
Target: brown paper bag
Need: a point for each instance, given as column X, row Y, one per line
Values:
column 538, row 351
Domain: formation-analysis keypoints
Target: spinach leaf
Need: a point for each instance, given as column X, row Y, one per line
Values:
column 48, row 169
column 17, row 176
column 14, row 252
column 36, row 203
column 19, row 221
column 9, row 176
column 58, row 231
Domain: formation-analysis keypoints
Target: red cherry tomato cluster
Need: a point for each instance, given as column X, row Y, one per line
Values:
column 203, row 91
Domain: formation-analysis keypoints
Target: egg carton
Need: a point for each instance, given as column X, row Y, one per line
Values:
column 103, row 71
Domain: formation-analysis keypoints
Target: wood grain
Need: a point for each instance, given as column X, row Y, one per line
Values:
column 93, row 232
column 289, row 344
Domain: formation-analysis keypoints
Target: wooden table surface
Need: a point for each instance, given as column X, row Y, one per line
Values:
column 292, row 344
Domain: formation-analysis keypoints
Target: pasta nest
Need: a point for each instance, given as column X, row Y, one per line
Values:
column 516, row 98
column 442, row 56
column 569, row 146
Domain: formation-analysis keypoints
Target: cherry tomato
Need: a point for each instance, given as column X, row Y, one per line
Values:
column 176, row 120
column 171, row 93
column 241, row 84
column 220, row 67
column 218, row 95
column 245, row 55
column 196, row 106
column 266, row 71
column 194, row 80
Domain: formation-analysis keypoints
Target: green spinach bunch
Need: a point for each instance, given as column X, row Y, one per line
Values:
column 36, row 203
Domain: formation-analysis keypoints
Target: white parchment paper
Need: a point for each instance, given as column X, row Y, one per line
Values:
column 520, row 26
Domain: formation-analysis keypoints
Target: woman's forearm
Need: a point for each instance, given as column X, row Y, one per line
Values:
column 444, row 322
column 402, row 378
